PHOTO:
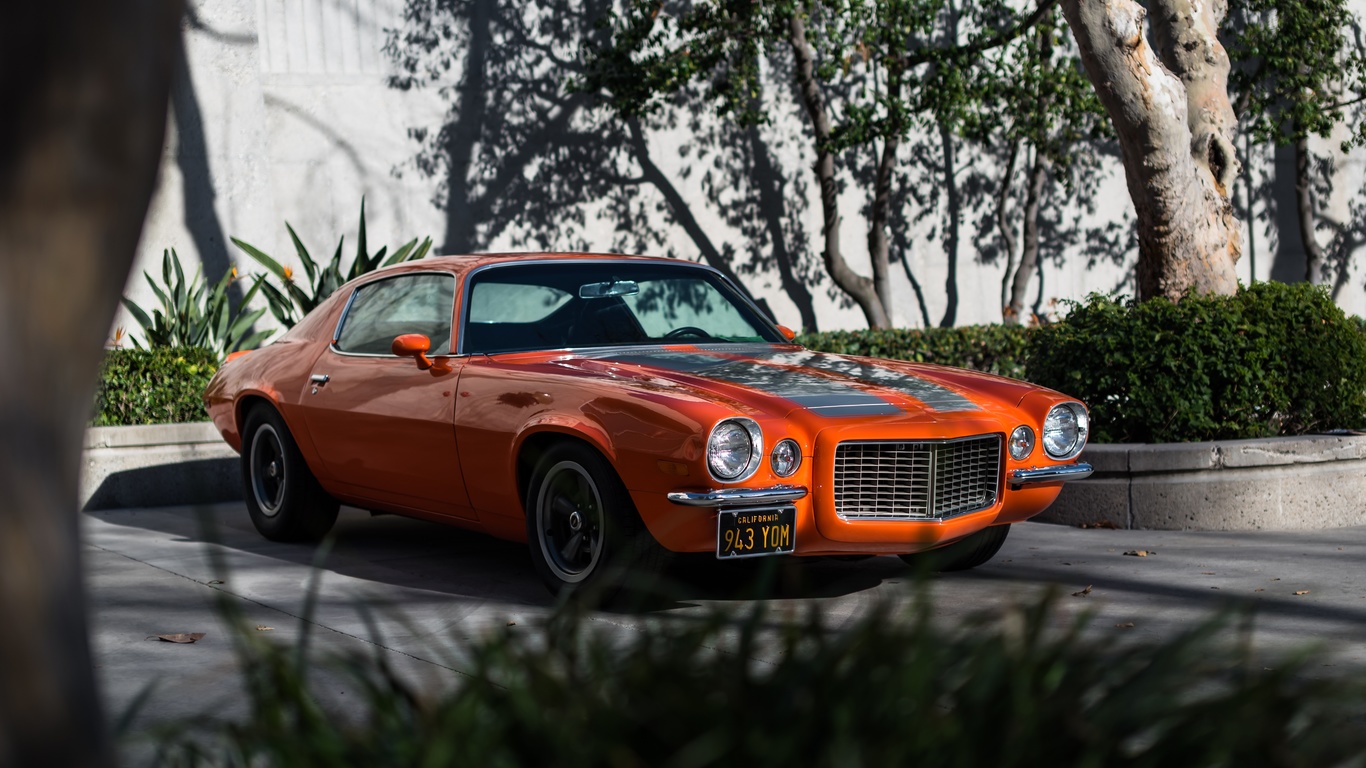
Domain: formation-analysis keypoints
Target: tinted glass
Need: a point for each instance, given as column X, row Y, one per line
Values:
column 405, row 304
column 569, row 306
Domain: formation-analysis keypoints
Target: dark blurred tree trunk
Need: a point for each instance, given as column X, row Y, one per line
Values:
column 84, row 84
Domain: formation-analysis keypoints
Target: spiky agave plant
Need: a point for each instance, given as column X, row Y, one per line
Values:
column 290, row 299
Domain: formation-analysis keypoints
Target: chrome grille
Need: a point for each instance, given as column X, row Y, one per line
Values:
column 927, row 480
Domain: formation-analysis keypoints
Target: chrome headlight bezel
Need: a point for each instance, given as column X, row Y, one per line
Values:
column 1021, row 443
column 785, row 450
column 1065, row 430
column 733, row 429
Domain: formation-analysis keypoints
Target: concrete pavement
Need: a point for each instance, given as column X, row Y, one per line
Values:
column 154, row 571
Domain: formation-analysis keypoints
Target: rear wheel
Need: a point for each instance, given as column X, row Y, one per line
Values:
column 582, row 529
column 284, row 499
column 964, row 554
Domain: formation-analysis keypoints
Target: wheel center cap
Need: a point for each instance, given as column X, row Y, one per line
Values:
column 273, row 469
column 575, row 521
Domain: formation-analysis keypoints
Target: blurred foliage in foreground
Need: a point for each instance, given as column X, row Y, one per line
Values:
column 1027, row 688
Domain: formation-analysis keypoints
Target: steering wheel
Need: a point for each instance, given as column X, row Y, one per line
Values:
column 687, row 330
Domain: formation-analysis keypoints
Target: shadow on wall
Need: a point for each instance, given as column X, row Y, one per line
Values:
column 523, row 158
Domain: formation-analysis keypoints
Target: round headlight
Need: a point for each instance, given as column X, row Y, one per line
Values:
column 786, row 457
column 734, row 449
column 1065, row 430
column 1021, row 442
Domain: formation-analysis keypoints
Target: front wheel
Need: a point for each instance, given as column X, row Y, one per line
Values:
column 582, row 529
column 284, row 499
column 962, row 555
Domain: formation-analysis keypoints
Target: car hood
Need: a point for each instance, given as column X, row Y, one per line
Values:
column 780, row 380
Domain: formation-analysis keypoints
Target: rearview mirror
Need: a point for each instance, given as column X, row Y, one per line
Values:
column 413, row 345
column 613, row 288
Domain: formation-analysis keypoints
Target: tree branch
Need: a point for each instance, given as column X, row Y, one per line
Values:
column 924, row 56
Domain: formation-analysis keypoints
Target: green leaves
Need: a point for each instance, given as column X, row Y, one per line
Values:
column 289, row 299
column 998, row 349
column 193, row 314
column 1298, row 65
column 164, row 385
column 1274, row 359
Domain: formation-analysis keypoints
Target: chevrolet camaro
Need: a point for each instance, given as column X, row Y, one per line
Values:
column 608, row 410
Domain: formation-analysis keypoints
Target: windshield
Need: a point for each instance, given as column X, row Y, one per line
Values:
column 524, row 307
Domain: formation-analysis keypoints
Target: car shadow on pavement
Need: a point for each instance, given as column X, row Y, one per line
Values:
column 416, row 554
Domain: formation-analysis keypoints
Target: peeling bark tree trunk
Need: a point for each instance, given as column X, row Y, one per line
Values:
column 85, row 85
column 861, row 289
column 1304, row 207
column 1171, row 110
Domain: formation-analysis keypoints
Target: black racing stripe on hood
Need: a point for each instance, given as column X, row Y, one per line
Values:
column 931, row 395
column 817, row 393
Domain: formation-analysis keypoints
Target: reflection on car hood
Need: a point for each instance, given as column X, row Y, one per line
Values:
column 831, row 385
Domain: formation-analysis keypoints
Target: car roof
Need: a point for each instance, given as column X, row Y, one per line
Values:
column 462, row 263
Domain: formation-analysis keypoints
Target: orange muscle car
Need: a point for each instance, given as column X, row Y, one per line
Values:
column 607, row 409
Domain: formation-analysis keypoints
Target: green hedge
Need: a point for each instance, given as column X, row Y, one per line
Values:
column 1275, row 359
column 996, row 349
column 153, row 386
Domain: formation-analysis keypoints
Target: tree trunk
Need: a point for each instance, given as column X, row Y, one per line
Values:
column 878, row 245
column 951, row 226
column 1029, row 256
column 85, row 85
column 861, row 289
column 1304, row 207
column 1171, row 111
column 1007, row 229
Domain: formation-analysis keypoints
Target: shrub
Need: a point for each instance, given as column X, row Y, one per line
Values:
column 153, row 386
column 1274, row 359
column 1026, row 688
column 998, row 349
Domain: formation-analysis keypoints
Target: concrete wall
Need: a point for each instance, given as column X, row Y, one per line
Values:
column 285, row 111
column 1278, row 483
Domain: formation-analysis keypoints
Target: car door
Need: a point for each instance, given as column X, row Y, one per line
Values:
column 385, row 428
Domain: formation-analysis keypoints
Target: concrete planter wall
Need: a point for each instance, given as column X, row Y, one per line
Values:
column 1279, row 483
column 157, row 465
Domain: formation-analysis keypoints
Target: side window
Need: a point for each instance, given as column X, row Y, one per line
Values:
column 388, row 308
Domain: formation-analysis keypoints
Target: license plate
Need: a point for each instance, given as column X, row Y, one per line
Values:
column 756, row 532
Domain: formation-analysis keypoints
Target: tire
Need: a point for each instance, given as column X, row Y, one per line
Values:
column 284, row 499
column 962, row 555
column 582, row 529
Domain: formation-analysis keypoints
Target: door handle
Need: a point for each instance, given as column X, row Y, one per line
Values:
column 319, row 378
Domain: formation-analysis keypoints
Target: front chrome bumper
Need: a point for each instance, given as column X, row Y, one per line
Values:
column 1078, row 471
column 738, row 497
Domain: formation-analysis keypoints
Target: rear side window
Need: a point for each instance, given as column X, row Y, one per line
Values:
column 385, row 309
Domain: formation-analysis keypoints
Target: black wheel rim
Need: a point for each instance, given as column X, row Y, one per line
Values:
column 569, row 522
column 268, row 470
